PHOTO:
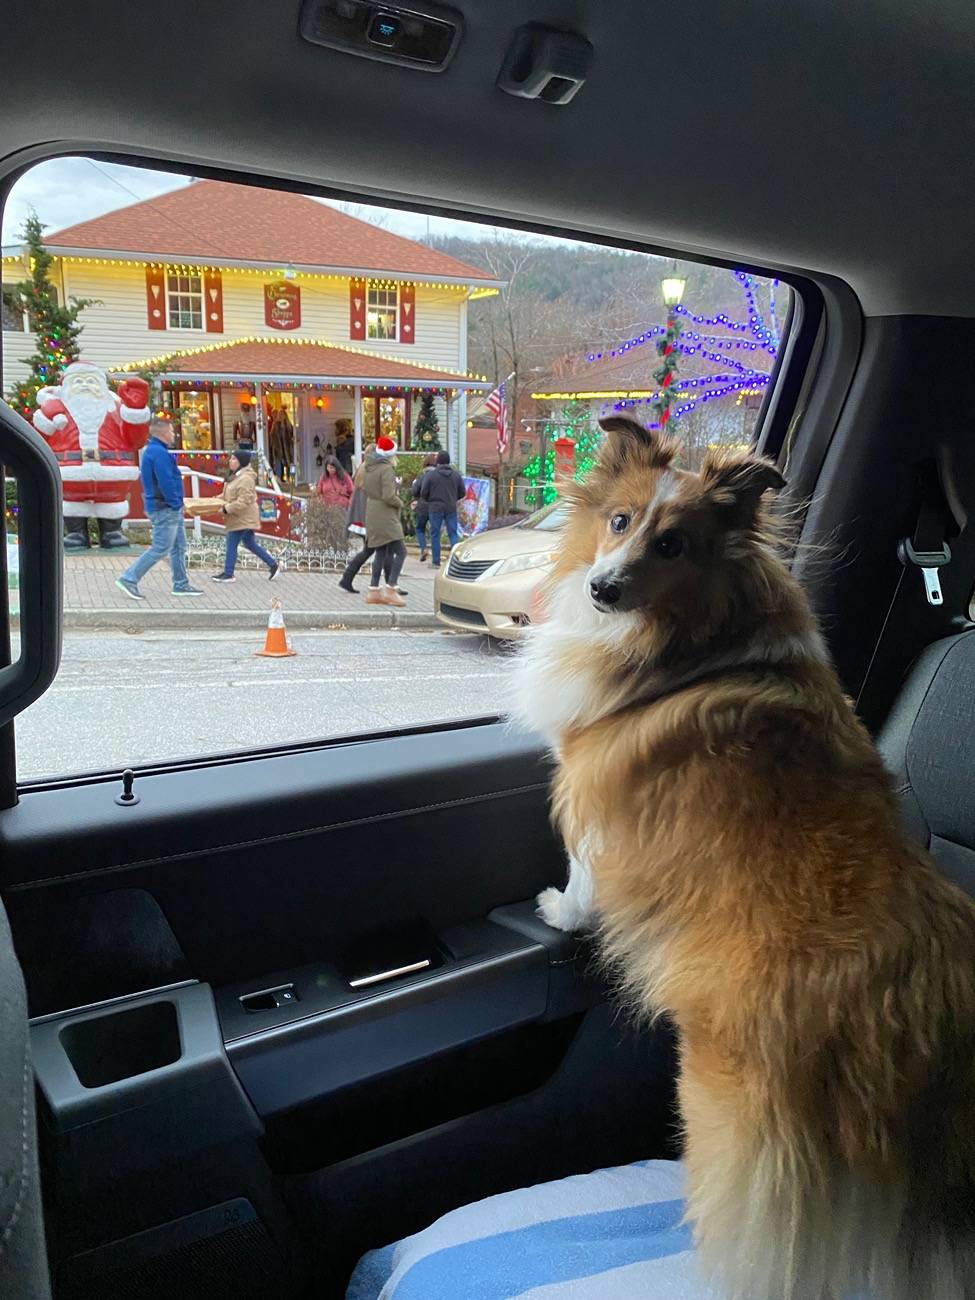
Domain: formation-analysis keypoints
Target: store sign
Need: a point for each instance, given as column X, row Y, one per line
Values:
column 282, row 306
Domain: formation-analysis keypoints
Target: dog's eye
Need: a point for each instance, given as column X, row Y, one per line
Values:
column 669, row 545
column 619, row 523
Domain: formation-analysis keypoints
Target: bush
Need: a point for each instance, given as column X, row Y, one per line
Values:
column 408, row 466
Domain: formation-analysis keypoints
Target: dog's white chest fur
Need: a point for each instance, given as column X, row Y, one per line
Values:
column 556, row 686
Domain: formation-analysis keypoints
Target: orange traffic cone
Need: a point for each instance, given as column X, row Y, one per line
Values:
column 276, row 645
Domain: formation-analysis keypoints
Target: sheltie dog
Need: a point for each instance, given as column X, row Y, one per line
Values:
column 750, row 876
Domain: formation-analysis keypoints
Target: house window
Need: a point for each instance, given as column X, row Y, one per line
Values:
column 185, row 295
column 381, row 309
column 14, row 317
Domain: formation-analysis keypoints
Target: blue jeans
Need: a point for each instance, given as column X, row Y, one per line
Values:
column 421, row 531
column 168, row 538
column 244, row 536
column 439, row 520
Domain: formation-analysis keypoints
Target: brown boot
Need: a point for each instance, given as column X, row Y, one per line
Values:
column 376, row 596
column 392, row 597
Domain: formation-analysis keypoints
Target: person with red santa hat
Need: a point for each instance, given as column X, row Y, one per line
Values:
column 95, row 435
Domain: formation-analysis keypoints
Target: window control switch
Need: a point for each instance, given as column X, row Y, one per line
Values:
column 270, row 999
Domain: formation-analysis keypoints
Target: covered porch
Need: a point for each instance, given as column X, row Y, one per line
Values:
column 299, row 401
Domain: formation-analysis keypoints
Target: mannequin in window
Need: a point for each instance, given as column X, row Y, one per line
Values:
column 245, row 429
column 281, row 444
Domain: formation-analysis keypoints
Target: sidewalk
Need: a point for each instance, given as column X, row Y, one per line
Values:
column 309, row 600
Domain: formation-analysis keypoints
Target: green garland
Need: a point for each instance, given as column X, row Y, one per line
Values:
column 668, row 350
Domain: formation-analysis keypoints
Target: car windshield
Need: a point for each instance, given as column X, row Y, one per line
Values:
column 547, row 519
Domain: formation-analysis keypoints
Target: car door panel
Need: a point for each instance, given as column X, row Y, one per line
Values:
column 275, row 863
column 300, row 871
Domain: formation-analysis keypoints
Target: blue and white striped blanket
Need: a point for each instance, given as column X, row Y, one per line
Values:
column 610, row 1235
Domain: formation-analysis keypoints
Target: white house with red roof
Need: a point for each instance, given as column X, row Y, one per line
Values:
column 259, row 310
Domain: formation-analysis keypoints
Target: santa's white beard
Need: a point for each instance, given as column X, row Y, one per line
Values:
column 88, row 412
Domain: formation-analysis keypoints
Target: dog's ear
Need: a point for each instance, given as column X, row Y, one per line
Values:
column 735, row 484
column 629, row 439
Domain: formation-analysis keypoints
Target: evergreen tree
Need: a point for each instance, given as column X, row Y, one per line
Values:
column 55, row 328
column 426, row 431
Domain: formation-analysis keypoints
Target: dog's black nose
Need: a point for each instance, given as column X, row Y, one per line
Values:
column 605, row 591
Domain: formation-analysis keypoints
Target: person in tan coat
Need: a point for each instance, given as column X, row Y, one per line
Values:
column 242, row 517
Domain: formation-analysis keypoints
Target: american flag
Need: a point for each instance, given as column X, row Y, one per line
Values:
column 498, row 406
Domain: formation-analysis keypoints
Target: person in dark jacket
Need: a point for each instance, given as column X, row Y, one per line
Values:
column 441, row 489
column 162, row 492
column 422, row 517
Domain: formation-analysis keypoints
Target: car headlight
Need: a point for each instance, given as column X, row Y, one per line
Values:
column 517, row 563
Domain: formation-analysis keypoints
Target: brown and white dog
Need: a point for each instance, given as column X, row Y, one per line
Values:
column 750, row 876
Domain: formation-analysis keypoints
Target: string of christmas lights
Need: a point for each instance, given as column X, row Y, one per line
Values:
column 688, row 394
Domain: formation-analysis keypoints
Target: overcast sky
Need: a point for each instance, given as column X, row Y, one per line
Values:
column 69, row 190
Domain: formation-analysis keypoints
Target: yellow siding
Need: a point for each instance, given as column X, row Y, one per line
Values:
column 116, row 329
column 16, row 347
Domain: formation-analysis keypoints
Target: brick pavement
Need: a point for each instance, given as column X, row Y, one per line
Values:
column 309, row 599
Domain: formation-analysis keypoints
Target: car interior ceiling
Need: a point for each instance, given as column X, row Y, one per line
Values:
column 826, row 143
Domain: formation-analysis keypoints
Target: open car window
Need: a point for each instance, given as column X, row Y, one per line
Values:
column 215, row 373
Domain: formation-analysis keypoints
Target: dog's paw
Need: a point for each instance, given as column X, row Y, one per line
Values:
column 557, row 910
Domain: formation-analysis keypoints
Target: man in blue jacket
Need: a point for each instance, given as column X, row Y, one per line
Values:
column 162, row 491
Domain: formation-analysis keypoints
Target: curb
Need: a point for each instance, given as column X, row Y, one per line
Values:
column 254, row 620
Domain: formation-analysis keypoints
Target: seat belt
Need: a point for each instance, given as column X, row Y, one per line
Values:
column 928, row 550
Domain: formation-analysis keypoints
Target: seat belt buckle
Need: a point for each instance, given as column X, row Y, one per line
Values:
column 929, row 562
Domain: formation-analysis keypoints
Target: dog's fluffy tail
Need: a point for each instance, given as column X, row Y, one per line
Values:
column 768, row 1231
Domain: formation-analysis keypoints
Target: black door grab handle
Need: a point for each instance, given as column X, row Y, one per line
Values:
column 25, row 453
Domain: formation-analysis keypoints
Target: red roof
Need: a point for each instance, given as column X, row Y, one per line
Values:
column 240, row 223
column 271, row 358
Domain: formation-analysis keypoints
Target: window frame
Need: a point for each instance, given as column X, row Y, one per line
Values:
column 183, row 294
column 373, row 288
column 819, row 341
column 6, row 288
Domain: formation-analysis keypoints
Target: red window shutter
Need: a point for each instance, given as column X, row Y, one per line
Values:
column 357, row 309
column 156, row 297
column 407, row 313
column 213, row 301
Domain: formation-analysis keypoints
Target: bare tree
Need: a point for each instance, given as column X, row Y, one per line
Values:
column 362, row 212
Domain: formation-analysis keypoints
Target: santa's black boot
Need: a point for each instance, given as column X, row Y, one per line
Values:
column 110, row 535
column 76, row 533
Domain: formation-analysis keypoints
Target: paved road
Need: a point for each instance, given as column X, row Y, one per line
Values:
column 123, row 699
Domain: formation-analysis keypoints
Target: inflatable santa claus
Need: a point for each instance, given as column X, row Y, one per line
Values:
column 95, row 435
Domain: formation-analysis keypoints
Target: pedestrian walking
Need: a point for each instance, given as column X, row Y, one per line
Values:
column 242, row 518
column 162, row 493
column 441, row 489
column 344, row 450
column 357, row 525
column 422, row 508
column 332, row 498
column 384, row 527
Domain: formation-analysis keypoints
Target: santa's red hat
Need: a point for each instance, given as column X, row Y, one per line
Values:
column 385, row 446
column 80, row 367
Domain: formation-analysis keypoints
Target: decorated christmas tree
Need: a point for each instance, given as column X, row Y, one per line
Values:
column 426, row 431
column 55, row 328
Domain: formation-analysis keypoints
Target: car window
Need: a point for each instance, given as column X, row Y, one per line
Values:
column 241, row 414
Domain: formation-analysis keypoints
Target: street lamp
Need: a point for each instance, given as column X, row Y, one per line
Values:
column 672, row 288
